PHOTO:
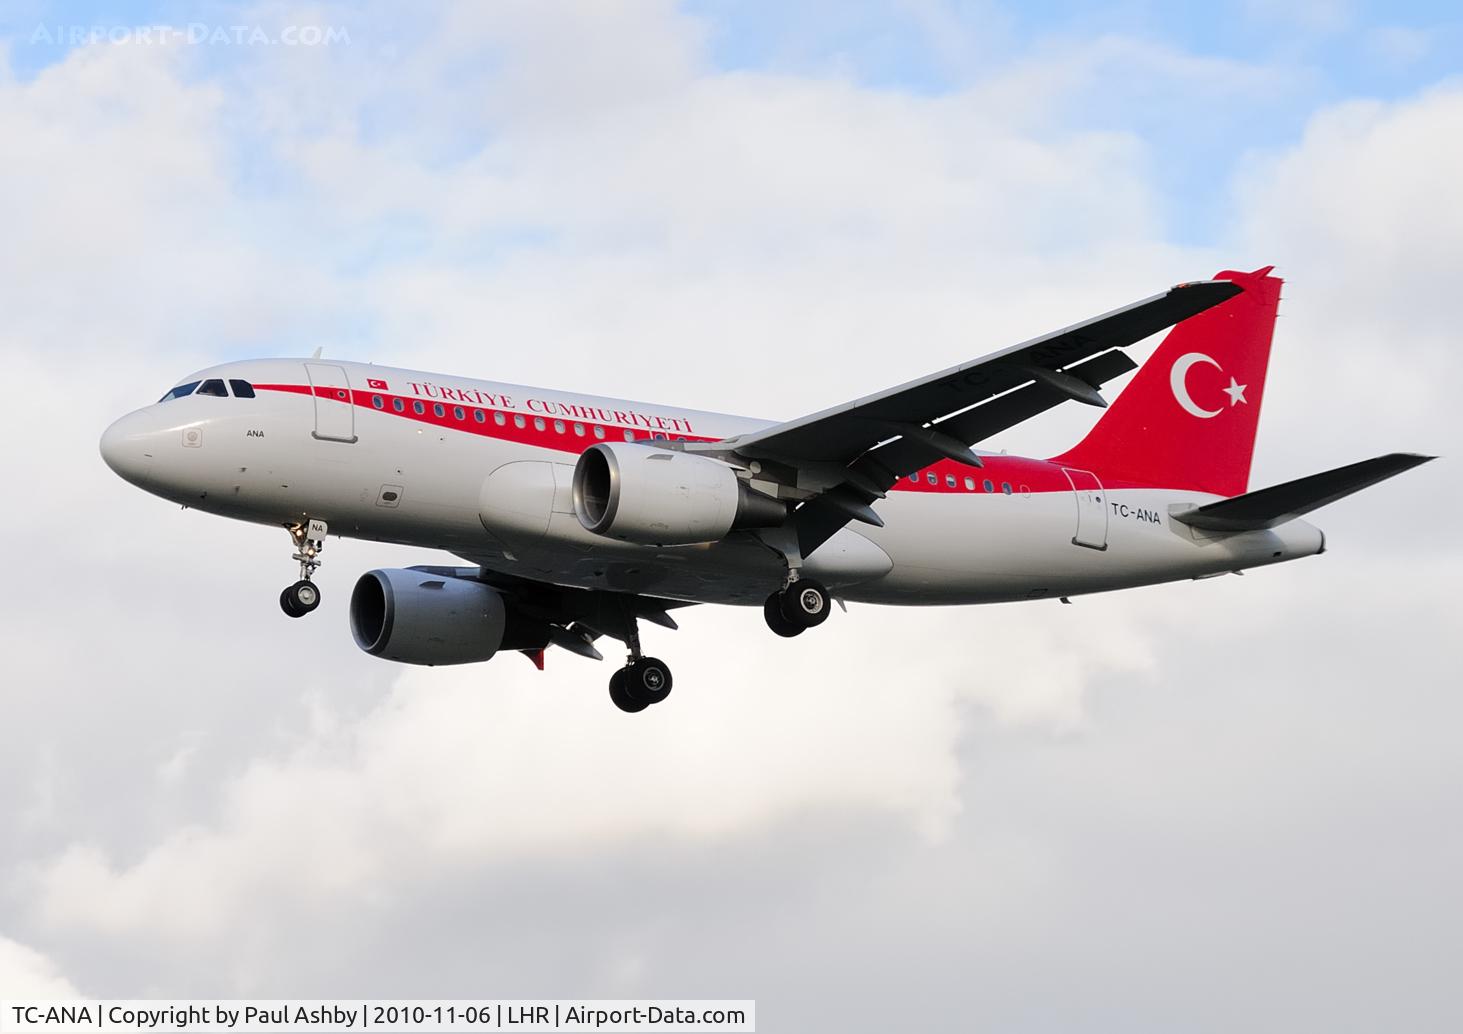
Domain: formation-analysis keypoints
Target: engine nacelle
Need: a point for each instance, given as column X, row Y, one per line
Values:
column 417, row 617
column 662, row 497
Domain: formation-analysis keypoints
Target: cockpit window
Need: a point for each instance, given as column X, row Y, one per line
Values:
column 242, row 389
column 214, row 387
column 180, row 391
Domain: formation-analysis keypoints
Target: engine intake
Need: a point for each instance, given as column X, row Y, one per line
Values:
column 661, row 497
column 422, row 617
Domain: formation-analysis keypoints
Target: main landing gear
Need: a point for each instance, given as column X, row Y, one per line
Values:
column 304, row 596
column 801, row 605
column 640, row 683
column 643, row 680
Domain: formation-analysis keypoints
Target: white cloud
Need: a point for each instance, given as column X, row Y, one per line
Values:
column 1364, row 195
column 27, row 974
column 1355, row 216
column 460, row 768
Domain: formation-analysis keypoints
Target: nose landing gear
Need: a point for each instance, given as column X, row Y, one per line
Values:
column 304, row 596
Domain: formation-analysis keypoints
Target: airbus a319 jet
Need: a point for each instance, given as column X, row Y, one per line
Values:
column 579, row 517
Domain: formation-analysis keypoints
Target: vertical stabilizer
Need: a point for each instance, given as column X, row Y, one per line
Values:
column 1188, row 418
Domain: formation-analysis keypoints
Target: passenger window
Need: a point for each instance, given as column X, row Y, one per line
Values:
column 986, row 484
column 599, row 432
column 500, row 419
column 538, row 423
column 181, row 391
column 378, row 402
column 970, row 484
column 629, row 436
column 559, row 426
column 479, row 416
column 932, row 478
column 658, row 436
column 419, row 408
column 518, row 420
column 242, row 389
column 399, row 405
column 914, row 479
column 949, row 480
column 214, row 387
column 1006, row 487
column 458, row 413
column 579, row 430
column 438, row 409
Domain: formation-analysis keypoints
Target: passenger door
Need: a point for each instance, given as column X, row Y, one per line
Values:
column 335, row 414
column 1091, row 509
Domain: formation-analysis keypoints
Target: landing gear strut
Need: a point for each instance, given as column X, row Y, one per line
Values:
column 643, row 680
column 304, row 596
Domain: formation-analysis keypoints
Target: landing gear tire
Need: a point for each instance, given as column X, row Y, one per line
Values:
column 805, row 603
column 639, row 684
column 621, row 697
column 299, row 599
column 772, row 612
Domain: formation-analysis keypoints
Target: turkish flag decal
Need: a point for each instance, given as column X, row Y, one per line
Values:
column 378, row 385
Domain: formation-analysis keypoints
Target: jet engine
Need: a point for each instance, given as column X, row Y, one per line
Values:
column 662, row 497
column 422, row 617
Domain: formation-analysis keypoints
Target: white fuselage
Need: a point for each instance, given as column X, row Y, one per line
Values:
column 487, row 477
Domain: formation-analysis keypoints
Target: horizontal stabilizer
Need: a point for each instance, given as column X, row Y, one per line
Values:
column 1269, row 507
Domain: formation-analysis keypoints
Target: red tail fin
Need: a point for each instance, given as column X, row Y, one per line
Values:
column 1187, row 420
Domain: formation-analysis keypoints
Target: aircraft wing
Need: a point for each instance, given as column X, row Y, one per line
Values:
column 840, row 460
column 843, row 433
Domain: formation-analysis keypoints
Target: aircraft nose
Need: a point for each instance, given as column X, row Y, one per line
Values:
column 124, row 447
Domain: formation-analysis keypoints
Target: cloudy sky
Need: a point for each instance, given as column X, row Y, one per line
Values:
column 1224, row 805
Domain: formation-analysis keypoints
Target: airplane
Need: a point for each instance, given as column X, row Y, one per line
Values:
column 579, row 517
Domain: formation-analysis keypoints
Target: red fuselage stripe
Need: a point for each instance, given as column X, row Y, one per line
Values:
column 1012, row 475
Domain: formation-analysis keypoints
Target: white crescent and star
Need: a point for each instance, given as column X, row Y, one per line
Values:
column 1178, row 381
